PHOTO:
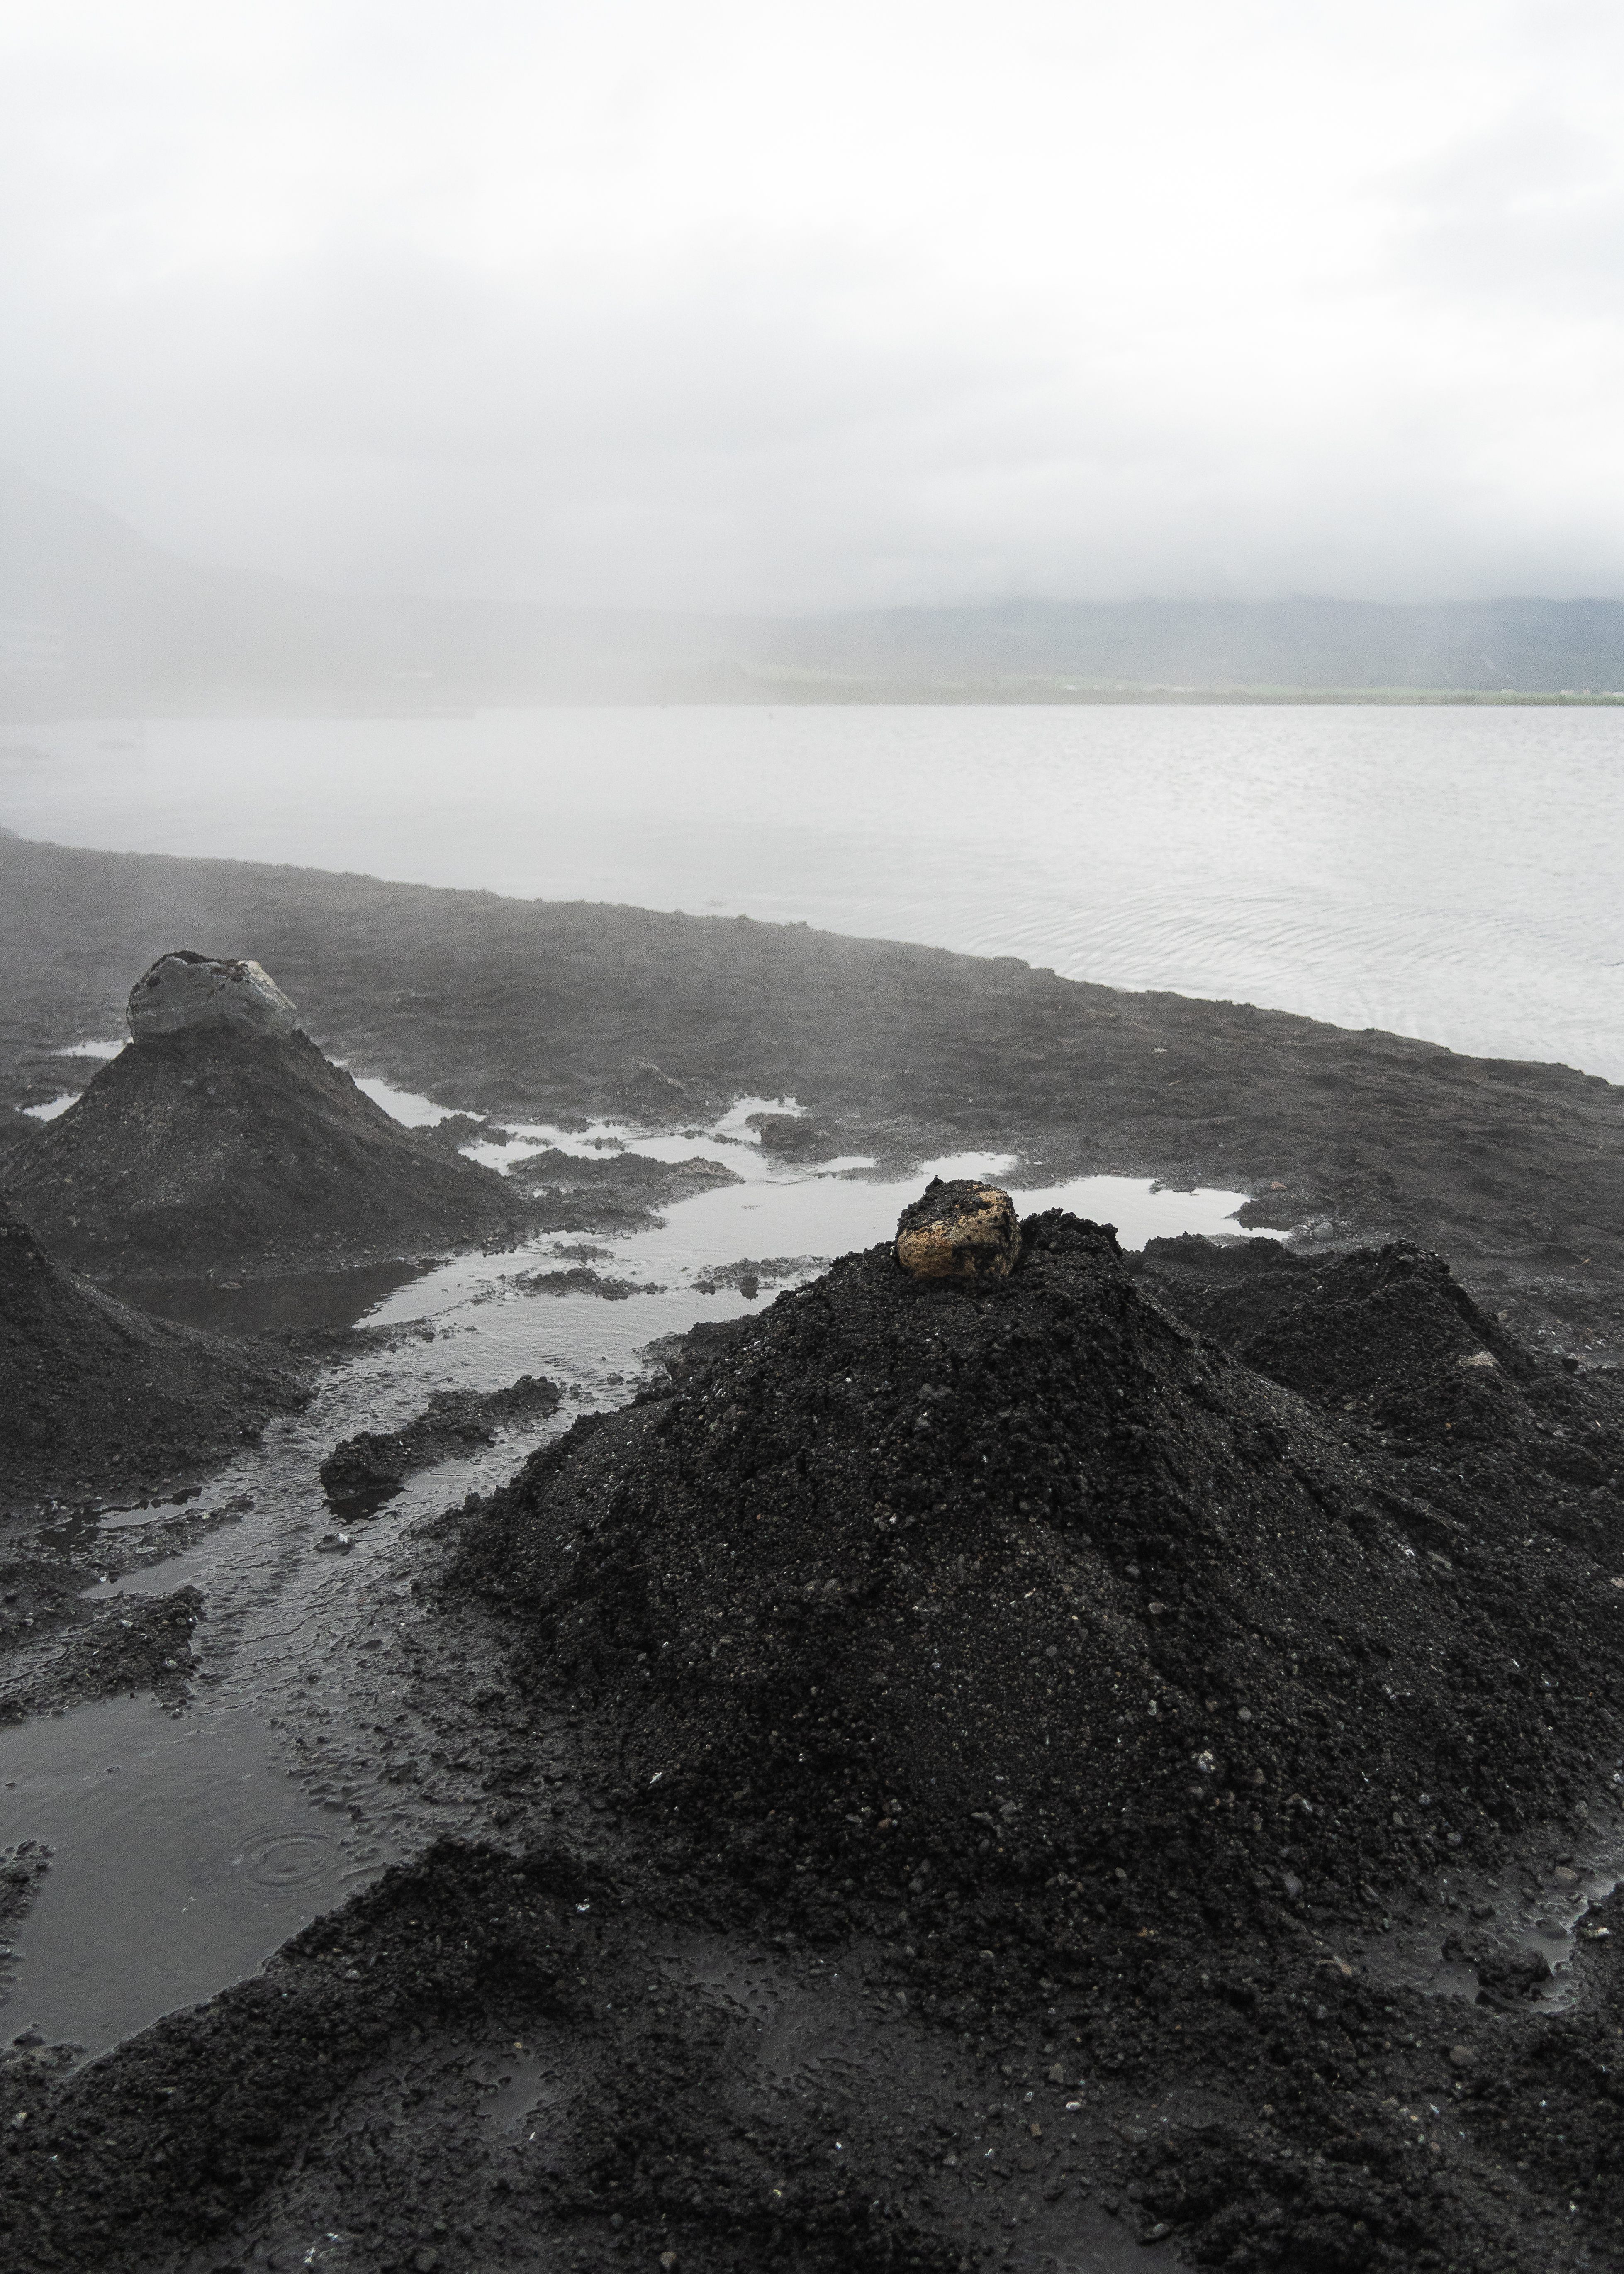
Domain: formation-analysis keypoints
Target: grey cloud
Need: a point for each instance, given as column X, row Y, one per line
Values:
column 1104, row 321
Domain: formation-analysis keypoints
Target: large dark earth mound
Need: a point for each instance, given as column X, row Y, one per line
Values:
column 216, row 1150
column 954, row 1591
column 1022, row 1766
column 96, row 1395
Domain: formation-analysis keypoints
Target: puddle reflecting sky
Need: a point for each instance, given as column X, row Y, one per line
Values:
column 183, row 1856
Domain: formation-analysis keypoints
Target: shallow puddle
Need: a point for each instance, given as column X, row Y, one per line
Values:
column 182, row 1857
column 796, row 1217
column 256, row 1306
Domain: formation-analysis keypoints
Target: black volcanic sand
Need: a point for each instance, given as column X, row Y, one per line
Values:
column 16, row 1130
column 1057, row 1573
column 361, row 1473
column 1088, row 1660
column 99, row 1399
column 543, row 1010
column 218, row 1153
column 489, row 2062
column 873, row 1933
column 1007, row 1724
column 98, row 1395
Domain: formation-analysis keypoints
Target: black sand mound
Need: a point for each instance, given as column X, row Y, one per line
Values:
column 1114, row 1975
column 364, row 1470
column 97, row 1396
column 946, row 1592
column 1367, row 1327
column 211, row 1149
column 1388, row 1335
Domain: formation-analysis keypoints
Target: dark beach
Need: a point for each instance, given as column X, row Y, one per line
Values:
column 1063, row 1774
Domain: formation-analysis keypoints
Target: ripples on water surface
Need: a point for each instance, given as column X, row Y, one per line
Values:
column 1451, row 873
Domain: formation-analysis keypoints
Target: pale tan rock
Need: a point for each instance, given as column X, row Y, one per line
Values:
column 961, row 1230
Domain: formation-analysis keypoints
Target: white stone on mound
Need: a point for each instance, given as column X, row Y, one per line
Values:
column 188, row 989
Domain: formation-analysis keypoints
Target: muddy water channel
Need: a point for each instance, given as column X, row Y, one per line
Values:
column 189, row 1839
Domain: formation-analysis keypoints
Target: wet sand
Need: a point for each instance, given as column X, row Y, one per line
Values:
column 559, row 2040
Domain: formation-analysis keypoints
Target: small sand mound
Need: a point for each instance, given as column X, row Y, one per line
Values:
column 929, row 1585
column 1387, row 1333
column 222, row 1148
column 1378, row 1326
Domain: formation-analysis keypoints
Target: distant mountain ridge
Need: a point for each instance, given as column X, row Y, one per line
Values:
column 93, row 616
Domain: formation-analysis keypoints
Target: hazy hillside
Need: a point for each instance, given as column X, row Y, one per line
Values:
column 1543, row 645
column 92, row 615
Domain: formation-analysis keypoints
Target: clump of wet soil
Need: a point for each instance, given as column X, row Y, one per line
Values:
column 21, row 1869
column 751, row 1273
column 212, row 1152
column 455, row 1129
column 119, row 1648
column 361, row 1473
column 57, row 1647
column 580, row 1279
column 793, row 1136
column 99, row 1395
column 611, row 1192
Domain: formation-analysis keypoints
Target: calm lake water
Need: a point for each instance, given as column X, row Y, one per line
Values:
column 1448, row 873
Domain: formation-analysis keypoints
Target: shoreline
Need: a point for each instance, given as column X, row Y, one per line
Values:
column 766, row 693
column 540, row 1010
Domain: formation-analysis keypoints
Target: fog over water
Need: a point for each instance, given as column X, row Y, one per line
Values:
column 1456, row 874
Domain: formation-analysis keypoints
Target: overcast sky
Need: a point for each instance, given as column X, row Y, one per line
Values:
column 789, row 306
